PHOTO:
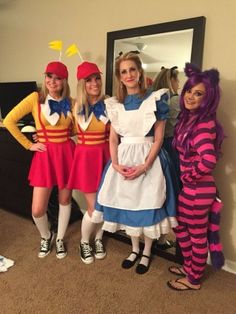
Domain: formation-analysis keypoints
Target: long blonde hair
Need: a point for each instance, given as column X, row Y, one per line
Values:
column 65, row 93
column 121, row 91
column 82, row 98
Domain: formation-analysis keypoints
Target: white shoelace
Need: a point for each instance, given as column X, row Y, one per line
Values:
column 86, row 249
column 60, row 245
column 45, row 244
column 99, row 246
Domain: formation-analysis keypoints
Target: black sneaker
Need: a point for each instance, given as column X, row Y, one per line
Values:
column 86, row 253
column 100, row 251
column 61, row 251
column 45, row 246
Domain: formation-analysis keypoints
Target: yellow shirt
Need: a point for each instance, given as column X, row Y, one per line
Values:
column 56, row 133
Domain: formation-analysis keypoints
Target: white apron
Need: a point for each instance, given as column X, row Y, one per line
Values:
column 147, row 191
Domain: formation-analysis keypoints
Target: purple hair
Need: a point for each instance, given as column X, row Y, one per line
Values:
column 207, row 109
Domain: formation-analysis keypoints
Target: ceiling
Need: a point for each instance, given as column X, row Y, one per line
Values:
column 166, row 49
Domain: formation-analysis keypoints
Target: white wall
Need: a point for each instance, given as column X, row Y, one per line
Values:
column 27, row 26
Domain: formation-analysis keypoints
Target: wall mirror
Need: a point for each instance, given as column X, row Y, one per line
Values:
column 166, row 44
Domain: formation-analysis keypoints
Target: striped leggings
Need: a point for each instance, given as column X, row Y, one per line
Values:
column 193, row 207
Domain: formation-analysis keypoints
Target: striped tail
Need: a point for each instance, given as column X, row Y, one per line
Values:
column 215, row 247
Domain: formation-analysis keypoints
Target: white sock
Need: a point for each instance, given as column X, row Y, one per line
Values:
column 87, row 228
column 63, row 220
column 42, row 226
column 99, row 232
column 146, row 250
column 135, row 248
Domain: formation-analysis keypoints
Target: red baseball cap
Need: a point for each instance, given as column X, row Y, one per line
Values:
column 57, row 68
column 86, row 69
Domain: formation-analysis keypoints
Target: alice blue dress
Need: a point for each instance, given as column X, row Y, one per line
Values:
column 147, row 204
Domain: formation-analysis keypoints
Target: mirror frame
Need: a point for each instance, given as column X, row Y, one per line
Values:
column 196, row 23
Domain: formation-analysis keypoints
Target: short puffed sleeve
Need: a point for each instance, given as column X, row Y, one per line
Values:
column 112, row 108
column 162, row 105
column 155, row 107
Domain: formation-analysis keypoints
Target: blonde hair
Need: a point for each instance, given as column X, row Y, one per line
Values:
column 65, row 92
column 121, row 91
column 163, row 79
column 82, row 98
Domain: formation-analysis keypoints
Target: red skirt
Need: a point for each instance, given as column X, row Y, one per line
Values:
column 89, row 162
column 52, row 167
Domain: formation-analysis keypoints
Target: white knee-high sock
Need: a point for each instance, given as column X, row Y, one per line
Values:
column 147, row 246
column 87, row 228
column 42, row 226
column 63, row 220
column 99, row 231
column 147, row 250
column 135, row 244
column 135, row 248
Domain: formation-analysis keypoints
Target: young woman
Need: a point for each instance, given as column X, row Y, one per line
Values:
column 168, row 78
column 91, row 154
column 51, row 164
column 198, row 138
column 135, row 194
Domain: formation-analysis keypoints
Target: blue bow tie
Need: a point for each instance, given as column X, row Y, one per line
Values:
column 59, row 107
column 97, row 109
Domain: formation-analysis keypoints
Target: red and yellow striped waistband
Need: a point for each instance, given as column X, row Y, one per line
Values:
column 93, row 138
column 53, row 135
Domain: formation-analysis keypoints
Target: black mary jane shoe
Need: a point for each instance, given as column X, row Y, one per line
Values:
column 141, row 268
column 126, row 264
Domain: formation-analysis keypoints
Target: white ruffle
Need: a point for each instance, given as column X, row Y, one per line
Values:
column 112, row 108
column 153, row 232
column 148, row 107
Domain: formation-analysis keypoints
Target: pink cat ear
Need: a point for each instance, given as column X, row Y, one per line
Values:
column 191, row 69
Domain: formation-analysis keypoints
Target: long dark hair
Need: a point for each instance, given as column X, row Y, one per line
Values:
column 207, row 109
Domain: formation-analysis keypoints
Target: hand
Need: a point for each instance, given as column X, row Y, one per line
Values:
column 135, row 172
column 38, row 147
column 123, row 170
column 35, row 137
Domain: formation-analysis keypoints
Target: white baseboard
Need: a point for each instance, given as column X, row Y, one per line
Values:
column 230, row 266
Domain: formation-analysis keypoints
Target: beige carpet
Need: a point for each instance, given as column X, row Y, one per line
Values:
column 46, row 286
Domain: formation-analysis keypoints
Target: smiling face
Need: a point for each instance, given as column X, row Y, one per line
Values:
column 194, row 96
column 129, row 76
column 93, row 87
column 54, row 84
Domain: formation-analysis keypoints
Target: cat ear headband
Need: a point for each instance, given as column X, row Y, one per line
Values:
column 213, row 74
